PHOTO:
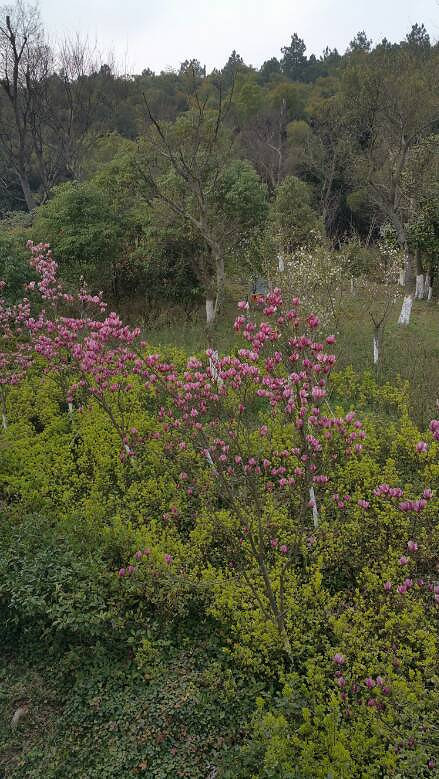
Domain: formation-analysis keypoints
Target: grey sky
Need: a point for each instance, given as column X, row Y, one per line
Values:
column 162, row 33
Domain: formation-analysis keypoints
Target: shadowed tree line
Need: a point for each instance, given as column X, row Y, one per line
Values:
column 179, row 170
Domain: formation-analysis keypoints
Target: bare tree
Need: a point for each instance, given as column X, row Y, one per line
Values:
column 265, row 142
column 71, row 104
column 23, row 58
column 47, row 102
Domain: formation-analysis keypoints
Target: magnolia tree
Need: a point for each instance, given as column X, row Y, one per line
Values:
column 61, row 328
column 251, row 435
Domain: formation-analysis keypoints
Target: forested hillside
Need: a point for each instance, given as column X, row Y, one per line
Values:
column 143, row 180
column 219, row 383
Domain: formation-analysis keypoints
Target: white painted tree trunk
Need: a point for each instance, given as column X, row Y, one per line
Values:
column 280, row 263
column 428, row 289
column 213, row 367
column 3, row 405
column 406, row 310
column 376, row 350
column 70, row 406
column 315, row 512
column 210, row 310
column 419, row 291
column 409, row 275
column 211, row 463
column 401, row 280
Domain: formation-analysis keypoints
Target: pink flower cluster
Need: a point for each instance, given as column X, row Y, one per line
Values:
column 280, row 364
column 354, row 689
column 140, row 555
column 434, row 428
column 385, row 490
column 417, row 505
column 408, row 582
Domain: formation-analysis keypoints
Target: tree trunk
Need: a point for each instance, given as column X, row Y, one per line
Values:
column 407, row 274
column 409, row 270
column 420, row 289
column 27, row 193
column 429, row 281
column 220, row 281
column 406, row 310
column 214, row 372
column 210, row 311
column 376, row 348
column 428, row 286
column 315, row 511
column 215, row 287
column 4, row 417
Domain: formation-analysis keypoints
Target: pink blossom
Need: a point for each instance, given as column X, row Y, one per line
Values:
column 339, row 659
column 369, row 682
column 121, row 572
column 401, row 589
column 421, row 446
column 168, row 559
column 412, row 546
column 387, row 586
column 403, row 560
column 313, row 321
column 283, row 548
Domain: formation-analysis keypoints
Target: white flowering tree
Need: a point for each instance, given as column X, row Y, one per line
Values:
column 321, row 278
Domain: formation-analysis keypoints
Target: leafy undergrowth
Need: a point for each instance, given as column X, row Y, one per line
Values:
column 140, row 603
column 182, row 716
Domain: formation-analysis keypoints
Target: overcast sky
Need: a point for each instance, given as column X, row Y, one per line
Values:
column 161, row 34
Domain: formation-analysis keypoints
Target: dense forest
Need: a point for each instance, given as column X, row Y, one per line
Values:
column 219, row 383
column 144, row 172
